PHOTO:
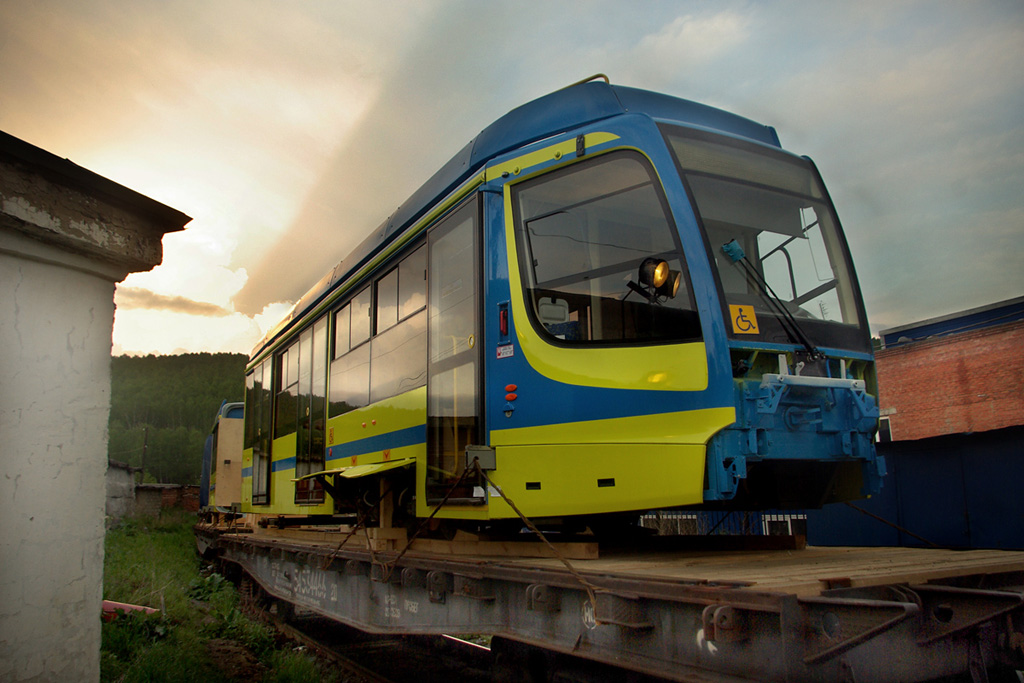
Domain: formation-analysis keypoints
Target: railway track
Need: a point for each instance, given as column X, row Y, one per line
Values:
column 363, row 657
column 366, row 658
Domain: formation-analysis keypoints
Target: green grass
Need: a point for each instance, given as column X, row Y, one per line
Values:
column 152, row 562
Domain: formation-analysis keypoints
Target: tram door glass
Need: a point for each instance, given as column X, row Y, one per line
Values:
column 453, row 401
column 312, row 413
column 257, row 432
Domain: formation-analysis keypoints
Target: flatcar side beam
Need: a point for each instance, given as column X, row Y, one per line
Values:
column 682, row 631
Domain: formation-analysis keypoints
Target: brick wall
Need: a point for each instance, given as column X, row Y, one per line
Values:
column 186, row 497
column 968, row 382
column 150, row 499
column 190, row 498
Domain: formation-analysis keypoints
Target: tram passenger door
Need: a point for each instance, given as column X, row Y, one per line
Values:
column 312, row 413
column 453, row 380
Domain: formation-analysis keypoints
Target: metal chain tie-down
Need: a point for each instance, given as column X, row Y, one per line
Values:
column 390, row 565
column 589, row 587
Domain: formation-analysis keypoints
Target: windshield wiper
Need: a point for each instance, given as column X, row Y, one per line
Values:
column 792, row 328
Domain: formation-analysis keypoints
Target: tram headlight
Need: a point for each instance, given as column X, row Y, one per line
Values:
column 654, row 272
column 671, row 285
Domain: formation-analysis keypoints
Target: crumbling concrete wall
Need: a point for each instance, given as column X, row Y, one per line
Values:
column 120, row 491
column 66, row 237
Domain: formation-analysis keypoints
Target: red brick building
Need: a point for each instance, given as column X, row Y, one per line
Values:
column 956, row 383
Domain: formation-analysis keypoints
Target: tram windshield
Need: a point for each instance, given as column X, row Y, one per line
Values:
column 791, row 260
column 600, row 256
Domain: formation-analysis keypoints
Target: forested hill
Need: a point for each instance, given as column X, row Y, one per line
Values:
column 168, row 404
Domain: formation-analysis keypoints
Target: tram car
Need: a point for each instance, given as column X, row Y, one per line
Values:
column 610, row 301
column 220, row 483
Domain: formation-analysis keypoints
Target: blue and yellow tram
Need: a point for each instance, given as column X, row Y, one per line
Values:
column 613, row 300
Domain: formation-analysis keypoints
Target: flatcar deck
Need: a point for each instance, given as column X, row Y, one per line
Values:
column 811, row 614
column 801, row 571
column 808, row 571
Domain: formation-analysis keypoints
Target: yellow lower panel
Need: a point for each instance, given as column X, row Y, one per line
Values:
column 282, row 498
column 592, row 479
column 247, row 481
column 398, row 412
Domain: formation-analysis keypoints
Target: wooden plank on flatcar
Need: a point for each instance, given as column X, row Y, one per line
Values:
column 807, row 572
column 570, row 551
column 464, row 548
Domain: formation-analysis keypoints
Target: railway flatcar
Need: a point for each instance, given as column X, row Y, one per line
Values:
column 611, row 300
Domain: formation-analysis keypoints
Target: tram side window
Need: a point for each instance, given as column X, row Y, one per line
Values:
column 342, row 317
column 287, row 403
column 398, row 360
column 387, row 301
column 584, row 234
column 361, row 306
column 395, row 359
column 412, row 283
column 350, row 370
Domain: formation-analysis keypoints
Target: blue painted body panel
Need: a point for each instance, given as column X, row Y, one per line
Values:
column 282, row 464
column 410, row 436
column 781, row 421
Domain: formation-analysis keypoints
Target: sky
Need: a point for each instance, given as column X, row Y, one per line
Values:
column 289, row 130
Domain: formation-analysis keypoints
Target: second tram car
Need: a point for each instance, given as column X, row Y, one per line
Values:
column 612, row 299
column 222, row 462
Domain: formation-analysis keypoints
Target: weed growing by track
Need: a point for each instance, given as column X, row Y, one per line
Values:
column 200, row 633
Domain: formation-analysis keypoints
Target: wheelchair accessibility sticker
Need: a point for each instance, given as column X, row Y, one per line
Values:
column 744, row 320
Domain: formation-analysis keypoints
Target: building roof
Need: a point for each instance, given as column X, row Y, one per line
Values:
column 67, row 172
column 953, row 323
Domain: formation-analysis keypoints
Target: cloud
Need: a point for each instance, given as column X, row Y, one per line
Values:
column 169, row 327
column 289, row 131
column 462, row 67
column 690, row 42
column 135, row 297
column 195, row 266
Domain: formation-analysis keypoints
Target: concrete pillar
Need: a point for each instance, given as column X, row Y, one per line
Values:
column 66, row 237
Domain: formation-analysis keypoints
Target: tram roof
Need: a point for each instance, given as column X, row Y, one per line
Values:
column 563, row 110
